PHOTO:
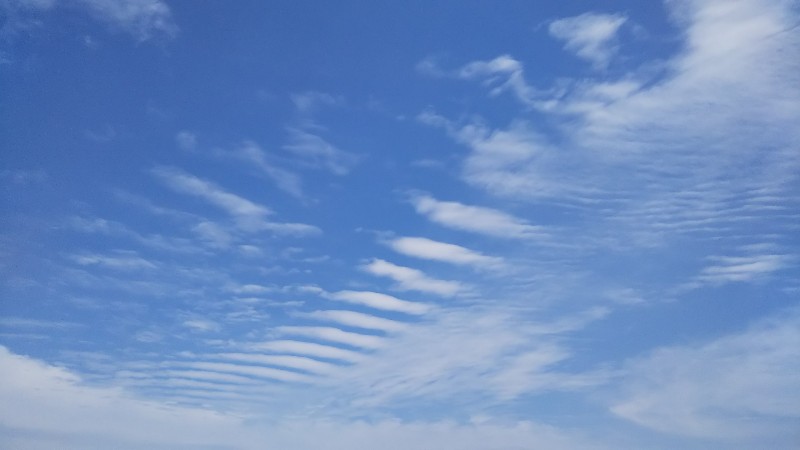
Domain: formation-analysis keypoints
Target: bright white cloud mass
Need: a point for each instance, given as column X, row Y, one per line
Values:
column 493, row 225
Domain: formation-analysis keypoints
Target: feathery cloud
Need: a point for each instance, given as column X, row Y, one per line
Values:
column 248, row 370
column 357, row 320
column 251, row 153
column 314, row 151
column 409, row 279
column 334, row 335
column 475, row 219
column 288, row 361
column 425, row 248
column 590, row 36
column 377, row 300
column 119, row 262
column 310, row 349
column 84, row 416
column 310, row 101
column 738, row 386
column 248, row 215
column 142, row 19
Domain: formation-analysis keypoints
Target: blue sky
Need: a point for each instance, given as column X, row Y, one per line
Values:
column 482, row 225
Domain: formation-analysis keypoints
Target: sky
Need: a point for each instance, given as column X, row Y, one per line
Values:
column 402, row 225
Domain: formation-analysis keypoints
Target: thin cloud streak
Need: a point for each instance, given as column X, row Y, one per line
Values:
column 249, row 216
column 309, row 349
column 409, row 279
column 334, row 335
column 425, row 248
column 358, row 320
column 380, row 301
column 476, row 219
column 590, row 36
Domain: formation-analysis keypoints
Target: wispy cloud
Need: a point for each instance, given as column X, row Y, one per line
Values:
column 214, row 234
column 425, row 248
column 314, row 151
column 288, row 361
column 22, row 322
column 309, row 102
column 590, row 36
column 248, row 370
column 142, row 19
column 468, row 352
column 357, row 320
column 380, row 301
column 652, row 122
column 249, row 215
column 251, row 153
column 122, row 261
column 476, row 219
column 409, row 279
column 189, row 184
column 334, row 335
column 24, row 177
column 501, row 74
column 309, row 349
column 186, row 140
column 750, row 266
column 80, row 408
column 738, row 386
column 87, row 415
column 201, row 325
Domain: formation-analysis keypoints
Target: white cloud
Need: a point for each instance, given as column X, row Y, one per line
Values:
column 144, row 19
column 251, row 153
column 189, row 184
column 729, row 269
column 129, row 377
column 475, row 219
column 24, row 177
column 21, row 322
column 53, row 408
column 503, row 73
column 250, row 289
column 460, row 353
column 31, row 4
column 288, row 361
column 309, row 349
column 248, row 370
column 314, row 151
column 738, row 386
column 409, row 279
column 662, row 147
column 310, row 101
column 531, row 371
column 334, row 335
column 590, row 36
column 215, row 235
column 201, row 325
column 358, row 320
column 186, row 140
column 250, row 250
column 380, row 301
column 121, row 262
column 152, row 241
column 52, row 401
column 440, row 251
column 249, row 216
